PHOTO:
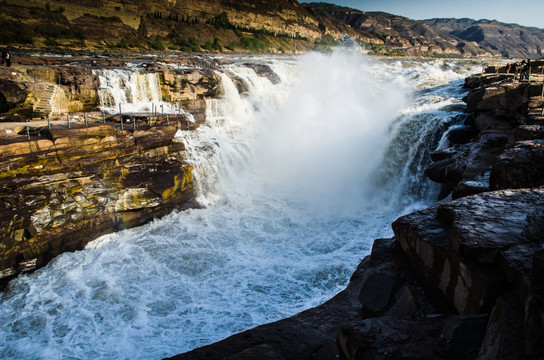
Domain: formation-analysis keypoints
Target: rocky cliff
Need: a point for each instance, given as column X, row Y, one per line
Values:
column 460, row 279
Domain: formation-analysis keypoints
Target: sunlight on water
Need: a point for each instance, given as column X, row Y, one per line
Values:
column 298, row 179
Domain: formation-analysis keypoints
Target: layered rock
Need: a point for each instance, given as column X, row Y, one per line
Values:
column 158, row 24
column 66, row 187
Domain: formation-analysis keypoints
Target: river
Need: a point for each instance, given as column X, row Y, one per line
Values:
column 296, row 180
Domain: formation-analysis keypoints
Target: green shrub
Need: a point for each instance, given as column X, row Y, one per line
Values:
column 188, row 45
column 51, row 42
column 233, row 45
column 217, row 44
column 253, row 44
column 221, row 21
column 157, row 43
column 208, row 45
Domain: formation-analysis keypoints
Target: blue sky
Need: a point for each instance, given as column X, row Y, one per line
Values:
column 524, row 12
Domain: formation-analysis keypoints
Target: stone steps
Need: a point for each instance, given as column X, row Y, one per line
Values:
column 44, row 95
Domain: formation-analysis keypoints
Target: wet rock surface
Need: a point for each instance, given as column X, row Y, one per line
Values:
column 505, row 152
column 265, row 71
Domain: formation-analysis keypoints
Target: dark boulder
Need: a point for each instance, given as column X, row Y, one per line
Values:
column 11, row 94
column 265, row 71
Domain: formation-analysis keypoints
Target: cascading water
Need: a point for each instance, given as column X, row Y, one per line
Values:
column 131, row 91
column 298, row 179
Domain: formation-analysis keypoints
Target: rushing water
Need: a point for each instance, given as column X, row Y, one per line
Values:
column 297, row 178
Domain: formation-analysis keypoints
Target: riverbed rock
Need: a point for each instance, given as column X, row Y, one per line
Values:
column 506, row 136
column 265, row 71
column 479, row 80
column 467, row 161
column 179, row 86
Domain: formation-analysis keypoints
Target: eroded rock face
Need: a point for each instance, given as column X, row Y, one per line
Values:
column 73, row 185
column 483, row 253
column 459, row 165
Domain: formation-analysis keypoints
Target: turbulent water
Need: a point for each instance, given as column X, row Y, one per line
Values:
column 297, row 180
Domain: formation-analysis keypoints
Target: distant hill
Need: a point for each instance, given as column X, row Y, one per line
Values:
column 500, row 39
column 396, row 35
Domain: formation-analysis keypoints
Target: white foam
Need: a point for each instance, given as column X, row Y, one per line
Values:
column 339, row 132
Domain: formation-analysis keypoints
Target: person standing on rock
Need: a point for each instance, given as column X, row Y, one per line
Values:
column 524, row 70
column 8, row 59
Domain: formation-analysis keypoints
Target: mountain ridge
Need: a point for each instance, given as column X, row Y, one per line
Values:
column 500, row 39
column 255, row 26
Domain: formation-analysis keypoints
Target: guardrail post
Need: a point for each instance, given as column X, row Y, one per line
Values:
column 542, row 94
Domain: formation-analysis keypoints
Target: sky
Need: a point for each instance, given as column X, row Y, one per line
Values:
column 525, row 12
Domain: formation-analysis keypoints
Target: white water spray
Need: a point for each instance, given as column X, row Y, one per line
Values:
column 338, row 130
column 131, row 91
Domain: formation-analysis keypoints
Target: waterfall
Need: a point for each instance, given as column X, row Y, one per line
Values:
column 134, row 91
column 297, row 178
